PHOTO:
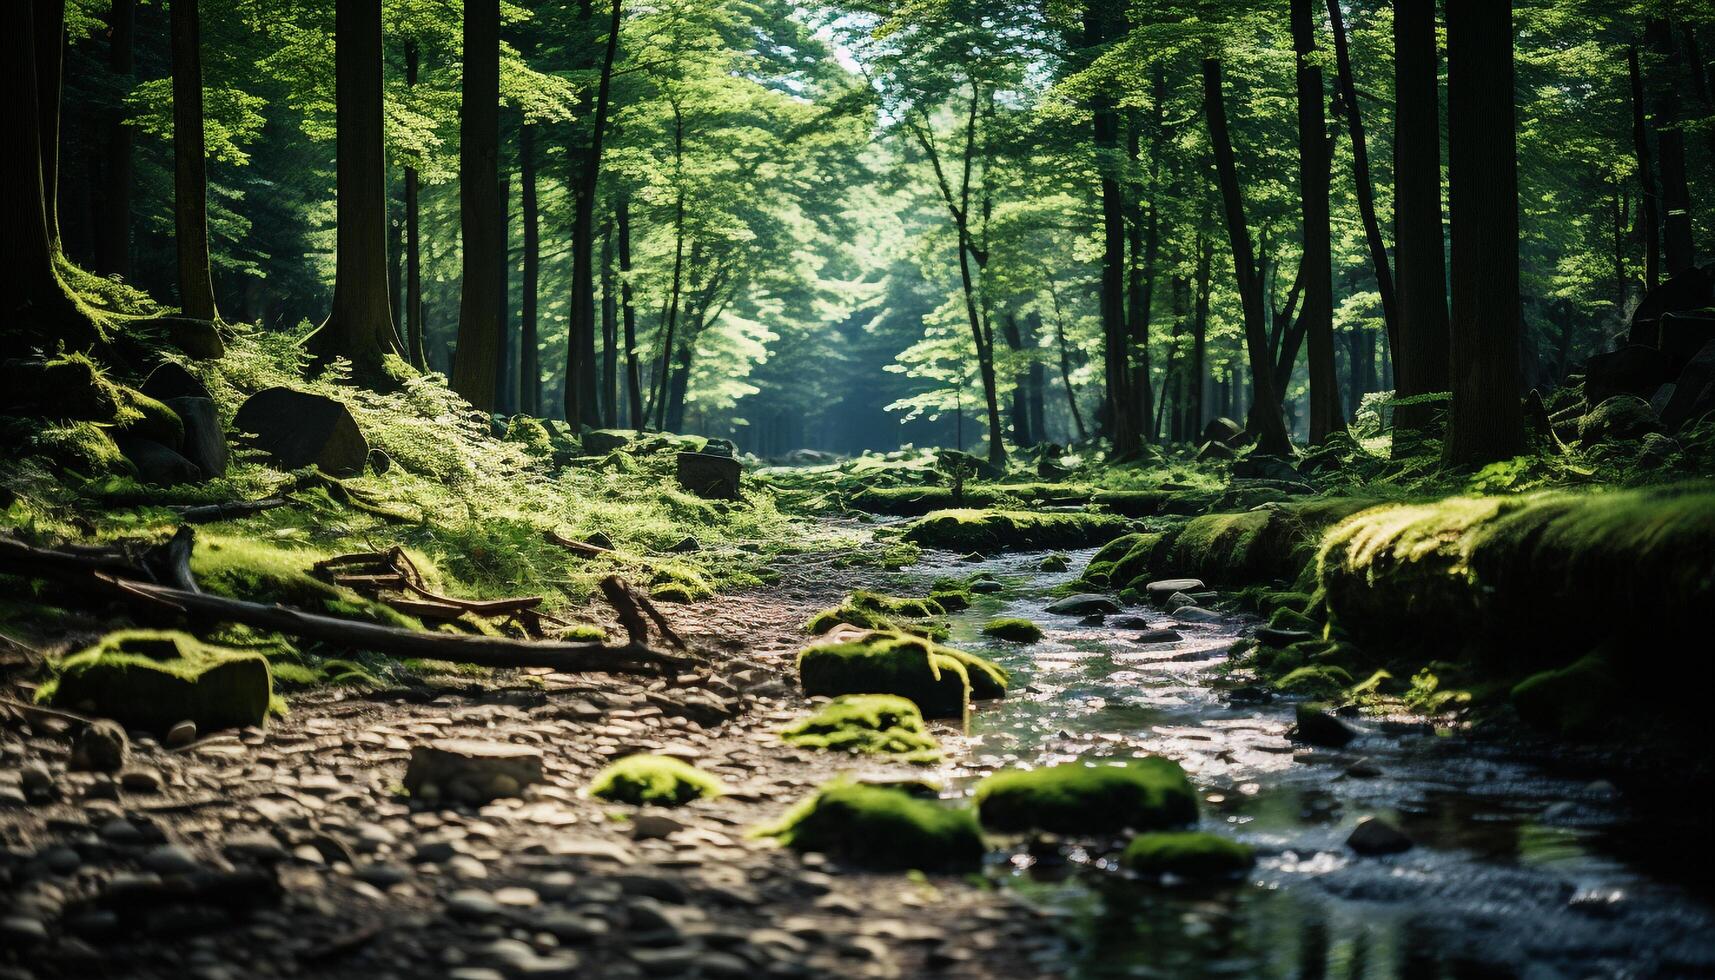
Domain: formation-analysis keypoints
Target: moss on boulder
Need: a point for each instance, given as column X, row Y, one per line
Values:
column 1088, row 798
column 941, row 680
column 1189, row 854
column 875, row 611
column 1273, row 542
column 879, row 724
column 1016, row 630
column 883, row 828
column 917, row 501
column 1316, row 681
column 154, row 679
column 654, row 779
column 1576, row 701
column 987, row 531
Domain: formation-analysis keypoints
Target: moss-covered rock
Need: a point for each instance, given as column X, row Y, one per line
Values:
column 1088, row 798
column 245, row 568
column 153, row 680
column 1316, row 681
column 879, row 724
column 917, row 501
column 1576, row 701
column 1620, row 418
column 883, row 828
column 1274, row 542
column 1057, row 562
column 1133, row 503
column 654, row 779
column 988, row 531
column 1016, row 630
column 1189, row 854
column 907, row 606
column 879, row 662
column 875, row 611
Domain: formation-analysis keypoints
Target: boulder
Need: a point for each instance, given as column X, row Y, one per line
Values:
column 1374, row 836
column 171, row 380
column 1684, row 334
column 1632, row 370
column 1212, row 449
column 156, row 464
column 883, row 828
column 1147, row 793
column 1693, row 394
column 654, row 779
column 1620, row 418
column 471, row 771
column 1160, row 591
column 709, row 476
column 1693, row 289
column 100, row 747
column 298, row 428
column 1083, row 605
column 205, row 443
column 154, row 679
column 1222, row 430
column 600, row 442
column 1318, row 727
column 1188, row 854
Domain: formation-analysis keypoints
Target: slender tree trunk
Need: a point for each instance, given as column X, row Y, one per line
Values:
column 581, row 387
column 1699, row 78
column 609, row 332
column 1679, row 245
column 1120, row 414
column 190, row 167
column 1020, row 409
column 1348, row 100
column 1488, row 421
column 396, row 273
column 113, row 218
column 1265, row 424
column 1036, row 378
column 505, row 395
column 529, row 370
column 628, row 313
column 480, row 209
column 658, row 400
column 50, row 61
column 1145, row 238
column 1066, row 365
column 1199, row 340
column 1648, row 204
column 1421, row 354
column 1325, row 415
column 413, row 245
column 1618, row 206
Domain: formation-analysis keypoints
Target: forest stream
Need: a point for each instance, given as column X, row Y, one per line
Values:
column 1518, row 869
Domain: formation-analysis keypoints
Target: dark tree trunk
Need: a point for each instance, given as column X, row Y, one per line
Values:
column 1648, row 204
column 1020, row 408
column 505, row 395
column 1265, row 424
column 1121, row 414
column 50, row 61
column 529, row 371
column 1199, row 341
column 628, row 314
column 1145, row 238
column 190, row 165
column 113, row 217
column 480, row 209
column 581, row 388
column 1036, row 379
column 396, row 272
column 1348, row 101
column 1699, row 78
column 1065, row 350
column 413, row 245
column 1680, row 248
column 658, row 399
column 1487, row 421
column 1421, row 353
column 1325, row 415
column 609, row 333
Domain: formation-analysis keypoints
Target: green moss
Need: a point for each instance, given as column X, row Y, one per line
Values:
column 916, row 501
column 1189, row 854
column 1016, row 630
column 1576, row 701
column 654, row 779
column 1057, row 562
column 1274, row 542
column 1082, row 798
column 874, row 611
column 1133, row 503
column 952, row 599
column 882, row 828
column 245, row 568
column 881, row 724
column 1287, row 618
column 153, row 680
column 889, row 663
column 146, row 418
column 531, row 434
column 907, row 606
column 1320, row 682
column 82, row 447
column 987, row 531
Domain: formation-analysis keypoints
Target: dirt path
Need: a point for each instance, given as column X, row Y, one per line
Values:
column 292, row 852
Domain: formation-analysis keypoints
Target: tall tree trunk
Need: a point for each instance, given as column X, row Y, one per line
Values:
column 529, row 371
column 1199, row 340
column 480, row 209
column 1325, row 415
column 1265, row 424
column 505, row 395
column 658, row 401
column 1145, row 238
column 413, row 245
column 1421, row 353
column 1348, row 101
column 1020, row 409
column 581, row 388
column 1648, row 204
column 1699, row 77
column 628, row 314
column 1120, row 414
column 1065, row 350
column 190, row 165
column 50, row 61
column 1679, row 246
column 396, row 273
column 609, row 332
column 113, row 217
column 1488, row 421
column 1036, row 378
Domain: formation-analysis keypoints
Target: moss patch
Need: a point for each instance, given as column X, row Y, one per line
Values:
column 987, row 531
column 888, row 663
column 883, row 828
column 875, row 611
column 1190, row 854
column 1577, row 701
column 244, row 568
column 654, row 779
column 1273, row 542
column 154, row 679
column 1079, row 798
column 1016, row 630
column 881, row 724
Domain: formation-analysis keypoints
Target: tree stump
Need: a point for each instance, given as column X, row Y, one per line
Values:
column 710, row 477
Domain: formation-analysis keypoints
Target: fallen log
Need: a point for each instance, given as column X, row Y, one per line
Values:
column 18, row 558
column 572, row 544
column 230, row 511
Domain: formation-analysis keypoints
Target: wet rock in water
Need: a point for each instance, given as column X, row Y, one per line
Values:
column 1249, row 694
column 1055, row 563
column 1374, row 836
column 180, row 735
column 1196, row 614
column 1078, row 798
column 1129, row 623
column 709, row 476
column 883, row 828
column 941, row 680
column 1363, row 769
column 205, row 443
column 654, row 779
column 101, row 747
column 1161, row 590
column 471, row 771
column 984, row 586
column 1093, row 619
column 1083, row 604
column 1317, row 727
column 1188, row 854
column 298, row 428
column 1158, row 636
column 1282, row 638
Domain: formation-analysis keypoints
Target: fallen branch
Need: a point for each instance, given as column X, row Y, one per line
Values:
column 631, row 606
column 178, row 557
column 231, row 511
column 571, row 544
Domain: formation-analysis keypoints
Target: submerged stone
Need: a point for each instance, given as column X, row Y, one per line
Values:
column 1016, row 630
column 1084, row 798
column 1083, row 604
column 1374, row 836
column 1189, row 854
column 153, row 679
column 1317, row 727
column 654, row 779
column 1576, row 700
column 883, row 828
column 882, row 724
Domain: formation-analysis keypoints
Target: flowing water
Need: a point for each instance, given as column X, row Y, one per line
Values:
column 1518, row 870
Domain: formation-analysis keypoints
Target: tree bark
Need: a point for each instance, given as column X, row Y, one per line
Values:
column 609, row 333
column 1195, row 377
column 1265, row 424
column 582, row 404
column 1487, row 419
column 529, row 371
column 1421, row 352
column 1145, row 237
column 1348, row 101
column 658, row 401
column 113, row 218
column 190, row 166
column 1679, row 246
column 1318, row 314
column 1120, row 412
column 1648, row 204
column 1020, row 409
column 1036, row 377
column 628, row 313
column 480, row 209
column 1065, row 350
column 505, row 395
column 413, row 245
column 50, row 61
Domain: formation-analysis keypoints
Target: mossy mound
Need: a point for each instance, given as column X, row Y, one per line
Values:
column 1576, row 701
column 1321, row 682
column 883, row 828
column 1133, row 503
column 1274, row 542
column 988, row 531
column 244, row 568
column 154, row 679
column 917, row 501
column 654, row 779
column 1189, row 854
column 941, row 680
column 875, row 611
column 1016, row 630
column 1083, row 798
column 879, row 724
